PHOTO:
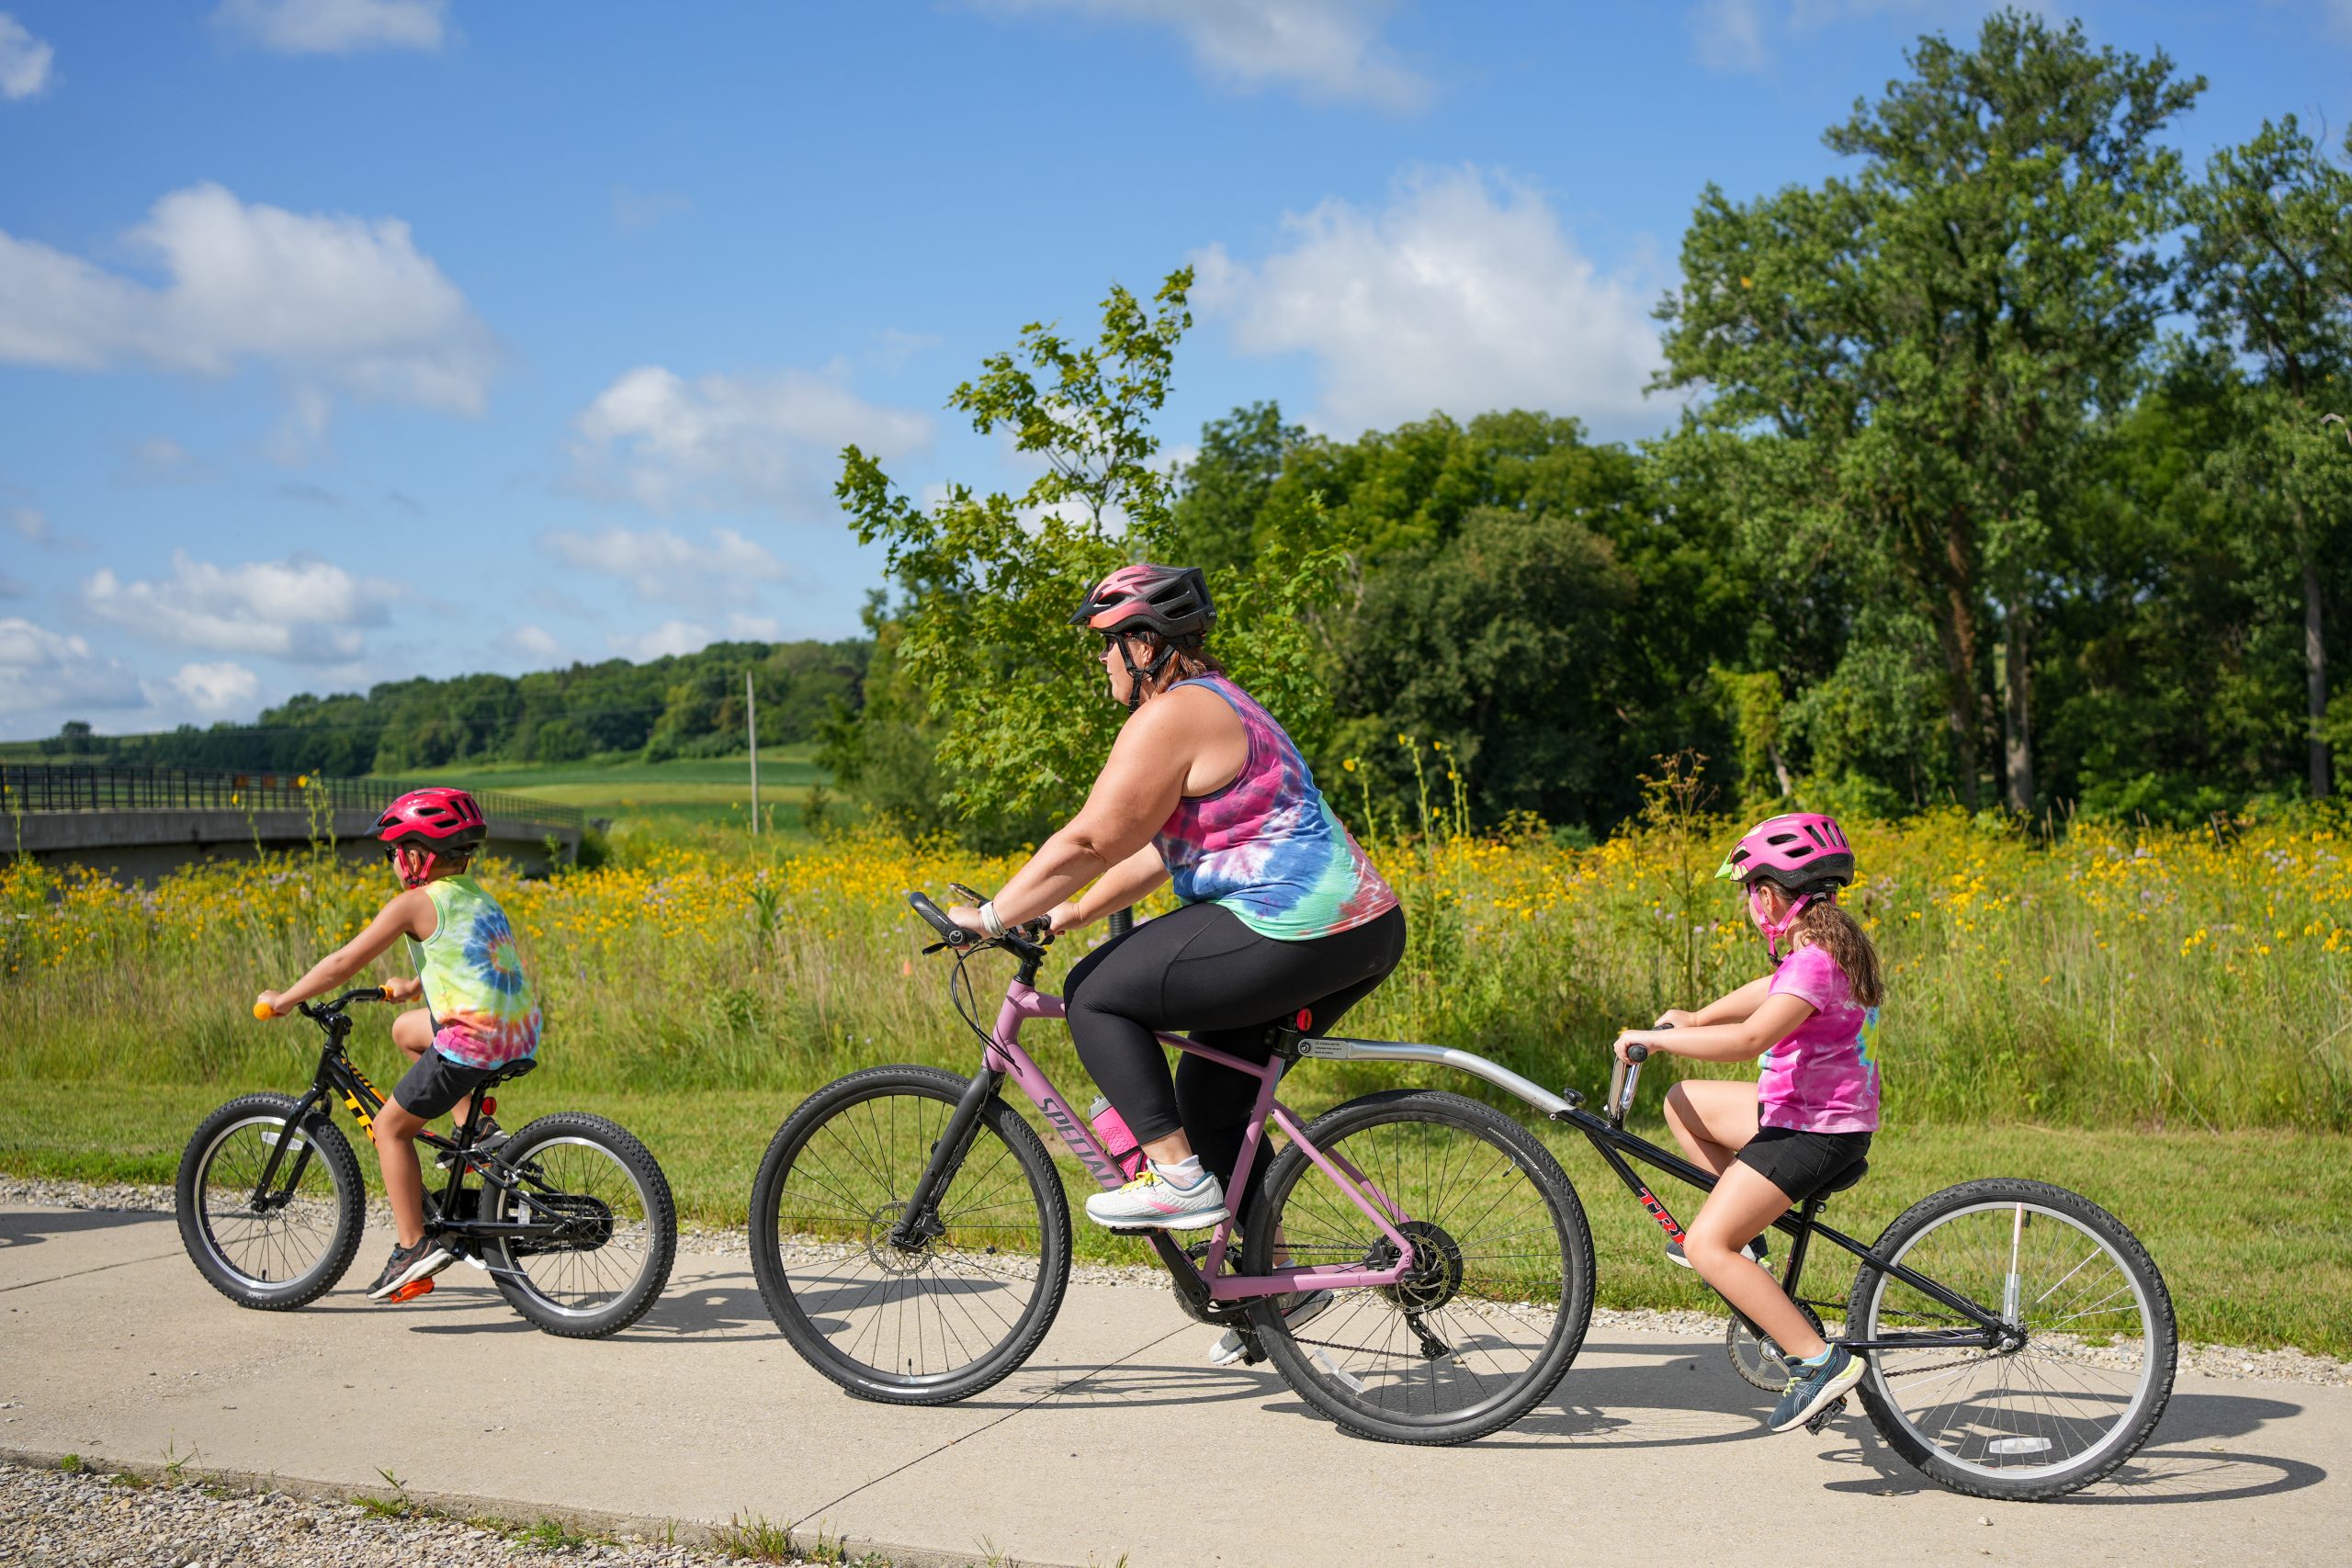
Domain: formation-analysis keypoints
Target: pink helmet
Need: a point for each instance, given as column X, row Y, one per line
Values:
column 433, row 821
column 1171, row 600
column 1802, row 851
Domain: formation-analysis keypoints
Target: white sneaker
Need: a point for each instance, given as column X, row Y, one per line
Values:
column 1302, row 1311
column 1150, row 1203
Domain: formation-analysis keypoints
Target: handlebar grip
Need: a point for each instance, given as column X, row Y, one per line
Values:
column 1637, row 1053
column 263, row 1012
column 383, row 993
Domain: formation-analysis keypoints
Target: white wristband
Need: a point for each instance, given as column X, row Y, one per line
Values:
column 994, row 926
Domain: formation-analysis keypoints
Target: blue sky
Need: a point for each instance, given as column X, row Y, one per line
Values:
column 348, row 340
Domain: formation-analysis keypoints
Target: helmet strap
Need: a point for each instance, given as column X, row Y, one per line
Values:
column 1772, row 930
column 1137, row 678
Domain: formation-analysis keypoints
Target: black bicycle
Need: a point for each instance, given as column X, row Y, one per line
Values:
column 572, row 1217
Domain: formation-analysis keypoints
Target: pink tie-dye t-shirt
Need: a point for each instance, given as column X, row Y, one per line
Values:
column 1821, row 1078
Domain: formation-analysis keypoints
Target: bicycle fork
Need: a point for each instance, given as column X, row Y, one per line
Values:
column 919, row 1219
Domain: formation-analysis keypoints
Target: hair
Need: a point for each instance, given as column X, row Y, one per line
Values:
column 1190, row 661
column 1841, row 936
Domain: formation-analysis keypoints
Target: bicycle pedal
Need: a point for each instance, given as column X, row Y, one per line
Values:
column 410, row 1291
column 1820, row 1423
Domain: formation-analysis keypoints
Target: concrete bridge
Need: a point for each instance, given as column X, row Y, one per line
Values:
column 138, row 823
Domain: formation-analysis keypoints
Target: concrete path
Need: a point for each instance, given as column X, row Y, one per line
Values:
column 112, row 1347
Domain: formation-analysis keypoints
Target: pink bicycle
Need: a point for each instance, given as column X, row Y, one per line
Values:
column 912, row 1238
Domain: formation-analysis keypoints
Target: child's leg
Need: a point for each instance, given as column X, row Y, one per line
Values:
column 396, row 1131
column 1711, row 1119
column 413, row 1032
column 1742, row 1204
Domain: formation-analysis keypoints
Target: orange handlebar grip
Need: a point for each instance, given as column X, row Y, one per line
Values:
column 263, row 1012
column 385, row 992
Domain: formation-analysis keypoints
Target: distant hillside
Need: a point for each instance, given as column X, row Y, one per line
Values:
column 686, row 705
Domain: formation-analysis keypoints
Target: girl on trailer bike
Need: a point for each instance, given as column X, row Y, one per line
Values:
column 1809, row 1117
column 478, row 1016
column 1281, row 911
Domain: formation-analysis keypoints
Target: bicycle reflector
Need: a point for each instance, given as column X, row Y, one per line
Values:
column 1304, row 1022
column 490, row 1105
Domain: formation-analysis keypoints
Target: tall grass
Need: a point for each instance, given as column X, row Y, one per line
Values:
column 2103, row 978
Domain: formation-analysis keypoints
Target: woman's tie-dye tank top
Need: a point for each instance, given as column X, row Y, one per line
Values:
column 1267, row 846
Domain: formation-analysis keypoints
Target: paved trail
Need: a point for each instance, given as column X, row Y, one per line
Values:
column 112, row 1347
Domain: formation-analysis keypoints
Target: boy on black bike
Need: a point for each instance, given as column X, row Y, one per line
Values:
column 478, row 1016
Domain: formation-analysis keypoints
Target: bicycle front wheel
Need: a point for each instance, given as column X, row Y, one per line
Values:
column 620, row 1233
column 279, row 1247
column 923, row 1320
column 1500, row 1290
column 2086, row 1382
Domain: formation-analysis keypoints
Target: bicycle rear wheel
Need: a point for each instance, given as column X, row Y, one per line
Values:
column 595, row 1178
column 935, row 1319
column 288, row 1245
column 2075, row 1399
column 1501, row 1289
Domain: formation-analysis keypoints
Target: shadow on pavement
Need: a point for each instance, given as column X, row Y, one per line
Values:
column 33, row 1228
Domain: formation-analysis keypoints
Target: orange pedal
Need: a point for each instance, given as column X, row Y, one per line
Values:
column 410, row 1291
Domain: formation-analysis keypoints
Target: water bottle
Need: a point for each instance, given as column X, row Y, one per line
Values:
column 1111, row 1132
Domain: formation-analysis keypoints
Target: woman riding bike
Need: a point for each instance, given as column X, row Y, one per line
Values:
column 1281, row 910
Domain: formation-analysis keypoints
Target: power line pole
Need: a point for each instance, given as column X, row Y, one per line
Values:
column 751, row 719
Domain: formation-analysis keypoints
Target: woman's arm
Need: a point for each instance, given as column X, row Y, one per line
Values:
column 1124, row 884
column 409, row 914
column 1134, row 795
column 1772, row 1021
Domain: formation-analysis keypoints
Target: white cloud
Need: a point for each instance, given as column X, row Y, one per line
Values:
column 41, row 668
column 30, row 523
column 768, row 441
column 536, row 641
column 666, row 568
column 160, row 460
column 301, row 608
column 335, row 26
column 1464, row 294
column 1738, row 35
column 327, row 296
column 215, row 690
column 1330, row 50
column 12, row 588
column 1729, row 34
column 635, row 208
column 24, row 60
column 756, row 628
column 669, row 638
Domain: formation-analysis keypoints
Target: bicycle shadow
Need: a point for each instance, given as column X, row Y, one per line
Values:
column 31, row 1228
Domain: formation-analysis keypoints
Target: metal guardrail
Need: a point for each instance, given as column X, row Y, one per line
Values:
column 44, row 786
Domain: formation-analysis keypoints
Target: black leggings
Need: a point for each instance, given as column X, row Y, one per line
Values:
column 1200, row 972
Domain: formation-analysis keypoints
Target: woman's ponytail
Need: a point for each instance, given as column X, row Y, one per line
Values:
column 1841, row 936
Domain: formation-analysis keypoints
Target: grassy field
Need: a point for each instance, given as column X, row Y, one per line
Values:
column 639, row 795
column 2245, row 1267
column 2158, row 1019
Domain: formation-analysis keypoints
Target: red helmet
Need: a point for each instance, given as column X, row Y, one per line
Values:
column 1171, row 600
column 433, row 821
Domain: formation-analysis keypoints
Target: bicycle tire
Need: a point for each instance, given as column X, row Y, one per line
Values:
column 1280, row 1225
column 600, row 1303
column 2067, row 1370
column 217, row 1138
column 839, row 1213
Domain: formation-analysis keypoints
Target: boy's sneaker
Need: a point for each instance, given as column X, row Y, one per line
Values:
column 1299, row 1309
column 407, row 1266
column 1150, row 1203
column 1754, row 1252
column 487, row 1138
column 1815, row 1386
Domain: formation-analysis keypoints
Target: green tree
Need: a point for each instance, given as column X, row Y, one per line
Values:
column 987, row 582
column 1919, row 355
column 2268, row 271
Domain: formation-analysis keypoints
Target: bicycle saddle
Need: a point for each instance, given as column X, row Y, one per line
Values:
column 508, row 1073
column 1845, row 1179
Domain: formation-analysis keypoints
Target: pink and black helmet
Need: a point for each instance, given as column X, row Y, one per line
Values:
column 435, row 821
column 1171, row 602
column 1804, row 851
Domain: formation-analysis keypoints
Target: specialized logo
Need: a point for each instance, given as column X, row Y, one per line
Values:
column 1657, row 1212
column 1092, row 1158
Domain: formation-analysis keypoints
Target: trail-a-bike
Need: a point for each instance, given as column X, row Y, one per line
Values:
column 911, row 1236
column 571, row 1217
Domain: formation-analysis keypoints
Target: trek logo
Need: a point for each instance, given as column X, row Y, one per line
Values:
column 1657, row 1212
column 1079, row 1144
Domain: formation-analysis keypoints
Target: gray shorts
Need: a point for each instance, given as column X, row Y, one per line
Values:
column 434, row 1084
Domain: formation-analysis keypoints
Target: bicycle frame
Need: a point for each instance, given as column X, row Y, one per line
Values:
column 1206, row 1287
column 1613, row 1144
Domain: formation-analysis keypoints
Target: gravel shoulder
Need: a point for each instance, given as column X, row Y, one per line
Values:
column 2286, row 1365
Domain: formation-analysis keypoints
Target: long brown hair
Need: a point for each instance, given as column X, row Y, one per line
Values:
column 1841, row 936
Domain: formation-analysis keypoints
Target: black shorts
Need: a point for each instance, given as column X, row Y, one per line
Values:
column 434, row 1084
column 1801, row 1164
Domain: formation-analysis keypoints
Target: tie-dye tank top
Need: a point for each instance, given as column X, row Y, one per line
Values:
column 1267, row 846
column 475, row 986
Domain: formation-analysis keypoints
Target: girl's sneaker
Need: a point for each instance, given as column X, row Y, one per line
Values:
column 1149, row 1203
column 1816, row 1386
column 1754, row 1252
column 1299, row 1309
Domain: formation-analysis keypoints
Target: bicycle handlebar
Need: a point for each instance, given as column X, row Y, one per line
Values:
column 1030, row 938
column 321, row 1012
